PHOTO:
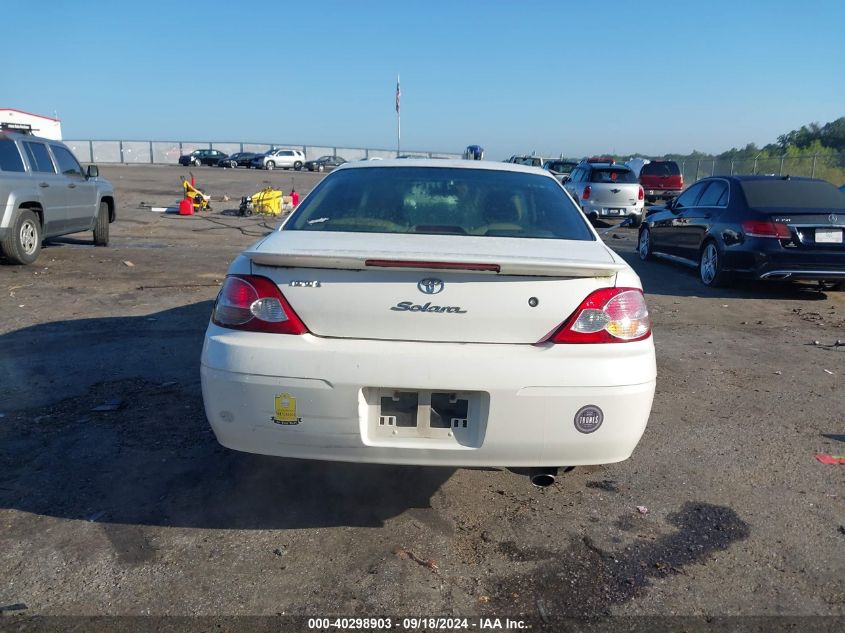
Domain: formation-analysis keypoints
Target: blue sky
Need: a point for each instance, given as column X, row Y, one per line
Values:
column 551, row 77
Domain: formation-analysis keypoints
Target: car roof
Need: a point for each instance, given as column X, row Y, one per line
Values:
column 26, row 137
column 447, row 163
column 740, row 178
column 605, row 165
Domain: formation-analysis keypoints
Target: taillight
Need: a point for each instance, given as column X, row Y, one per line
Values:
column 609, row 315
column 760, row 228
column 641, row 194
column 586, row 194
column 253, row 303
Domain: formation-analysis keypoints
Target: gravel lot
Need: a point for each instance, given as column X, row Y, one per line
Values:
column 139, row 511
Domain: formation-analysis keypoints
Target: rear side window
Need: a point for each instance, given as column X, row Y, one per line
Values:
column 10, row 158
column 39, row 157
column 716, row 194
column 778, row 193
column 662, row 168
column 434, row 201
column 68, row 164
column 612, row 175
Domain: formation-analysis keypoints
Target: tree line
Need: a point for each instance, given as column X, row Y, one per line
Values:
column 809, row 140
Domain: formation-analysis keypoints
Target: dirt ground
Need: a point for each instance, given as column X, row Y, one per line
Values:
column 136, row 510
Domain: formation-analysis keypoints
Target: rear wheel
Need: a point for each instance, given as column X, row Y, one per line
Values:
column 101, row 228
column 644, row 246
column 636, row 220
column 23, row 241
column 710, row 269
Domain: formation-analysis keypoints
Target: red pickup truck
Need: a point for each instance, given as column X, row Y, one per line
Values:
column 661, row 179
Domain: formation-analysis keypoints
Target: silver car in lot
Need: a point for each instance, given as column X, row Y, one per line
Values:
column 279, row 158
column 44, row 192
column 607, row 190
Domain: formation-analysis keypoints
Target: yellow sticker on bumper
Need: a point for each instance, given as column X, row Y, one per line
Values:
column 285, row 409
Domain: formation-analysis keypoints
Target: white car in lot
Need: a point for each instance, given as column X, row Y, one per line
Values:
column 432, row 312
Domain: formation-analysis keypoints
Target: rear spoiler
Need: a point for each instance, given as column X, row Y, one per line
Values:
column 492, row 264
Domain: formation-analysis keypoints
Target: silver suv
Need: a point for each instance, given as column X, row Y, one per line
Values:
column 279, row 159
column 606, row 190
column 44, row 192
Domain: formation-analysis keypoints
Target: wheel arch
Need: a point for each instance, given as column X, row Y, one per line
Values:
column 109, row 200
column 36, row 208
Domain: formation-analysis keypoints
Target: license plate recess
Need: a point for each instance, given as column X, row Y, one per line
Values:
column 453, row 418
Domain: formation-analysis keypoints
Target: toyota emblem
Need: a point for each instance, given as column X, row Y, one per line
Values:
column 430, row 286
column 833, row 218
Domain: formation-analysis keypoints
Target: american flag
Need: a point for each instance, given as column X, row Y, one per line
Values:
column 398, row 95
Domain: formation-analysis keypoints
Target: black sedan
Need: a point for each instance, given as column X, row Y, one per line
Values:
column 238, row 159
column 324, row 163
column 758, row 227
column 202, row 157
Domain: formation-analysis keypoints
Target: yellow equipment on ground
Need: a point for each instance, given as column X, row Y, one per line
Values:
column 267, row 201
column 199, row 199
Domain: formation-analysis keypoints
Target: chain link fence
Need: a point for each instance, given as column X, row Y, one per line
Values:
column 830, row 167
column 168, row 152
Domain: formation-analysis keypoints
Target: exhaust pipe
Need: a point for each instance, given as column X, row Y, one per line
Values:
column 543, row 477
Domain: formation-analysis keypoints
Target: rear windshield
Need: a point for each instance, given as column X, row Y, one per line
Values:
column 792, row 194
column 668, row 168
column 612, row 174
column 561, row 167
column 441, row 200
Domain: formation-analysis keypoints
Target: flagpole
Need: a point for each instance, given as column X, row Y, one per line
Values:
column 398, row 118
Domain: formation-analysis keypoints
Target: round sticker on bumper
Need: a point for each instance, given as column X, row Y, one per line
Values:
column 588, row 418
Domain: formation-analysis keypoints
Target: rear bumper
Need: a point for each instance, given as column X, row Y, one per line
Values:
column 771, row 261
column 525, row 398
column 664, row 194
column 609, row 211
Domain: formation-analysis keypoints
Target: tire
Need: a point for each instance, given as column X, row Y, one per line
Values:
column 321, row 168
column 710, row 270
column 101, row 227
column 23, row 241
column 197, row 163
column 636, row 220
column 298, row 165
column 269, row 165
column 645, row 248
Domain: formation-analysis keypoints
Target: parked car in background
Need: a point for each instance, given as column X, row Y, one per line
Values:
column 758, row 227
column 560, row 167
column 202, row 157
column 530, row 161
column 238, row 159
column 407, row 156
column 661, row 180
column 407, row 312
column 44, row 192
column 324, row 163
column 606, row 190
column 279, row 159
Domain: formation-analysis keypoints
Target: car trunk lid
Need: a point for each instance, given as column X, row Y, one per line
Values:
column 614, row 194
column 433, row 287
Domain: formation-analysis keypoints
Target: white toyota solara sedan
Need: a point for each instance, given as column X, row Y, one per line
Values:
column 432, row 312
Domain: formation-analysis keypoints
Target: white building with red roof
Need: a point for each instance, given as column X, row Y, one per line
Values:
column 41, row 125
